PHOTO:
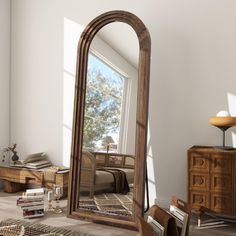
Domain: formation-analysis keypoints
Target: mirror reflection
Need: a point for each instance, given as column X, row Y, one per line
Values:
column 108, row 156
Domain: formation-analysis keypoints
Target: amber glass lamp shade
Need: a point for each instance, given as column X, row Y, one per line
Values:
column 223, row 123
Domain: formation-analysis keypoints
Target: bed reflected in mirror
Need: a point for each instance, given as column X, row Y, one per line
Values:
column 108, row 161
column 107, row 183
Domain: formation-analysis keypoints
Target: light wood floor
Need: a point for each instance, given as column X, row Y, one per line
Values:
column 8, row 209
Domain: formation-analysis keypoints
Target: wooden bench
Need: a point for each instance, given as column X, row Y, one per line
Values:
column 15, row 179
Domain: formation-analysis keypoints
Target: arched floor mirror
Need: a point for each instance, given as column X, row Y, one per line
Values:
column 108, row 153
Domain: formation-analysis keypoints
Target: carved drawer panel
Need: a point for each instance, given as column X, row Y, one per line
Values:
column 198, row 199
column 221, row 164
column 221, row 203
column 221, row 183
column 199, row 162
column 199, row 181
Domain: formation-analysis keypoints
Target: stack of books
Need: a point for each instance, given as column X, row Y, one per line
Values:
column 210, row 219
column 38, row 164
column 32, row 203
column 33, row 161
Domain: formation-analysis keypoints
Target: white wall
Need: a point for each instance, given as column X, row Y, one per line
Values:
column 37, row 85
column 4, row 72
column 193, row 74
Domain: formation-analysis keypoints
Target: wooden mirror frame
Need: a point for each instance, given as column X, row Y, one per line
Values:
column 141, row 119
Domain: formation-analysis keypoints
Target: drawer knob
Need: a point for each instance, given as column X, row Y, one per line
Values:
column 198, row 180
column 220, row 163
column 199, row 161
column 199, row 199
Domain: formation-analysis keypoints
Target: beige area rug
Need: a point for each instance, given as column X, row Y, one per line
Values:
column 108, row 203
column 34, row 229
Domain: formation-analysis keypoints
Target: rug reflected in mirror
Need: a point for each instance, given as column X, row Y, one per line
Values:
column 13, row 227
column 108, row 203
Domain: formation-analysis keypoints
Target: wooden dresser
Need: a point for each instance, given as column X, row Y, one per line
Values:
column 212, row 179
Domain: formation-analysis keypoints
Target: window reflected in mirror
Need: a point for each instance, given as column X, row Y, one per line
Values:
column 107, row 166
column 104, row 104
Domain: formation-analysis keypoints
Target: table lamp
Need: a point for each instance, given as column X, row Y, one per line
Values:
column 223, row 120
column 106, row 142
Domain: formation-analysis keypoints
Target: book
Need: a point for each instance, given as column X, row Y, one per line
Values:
column 180, row 215
column 33, row 207
column 181, row 218
column 63, row 171
column 31, row 203
column 59, row 169
column 180, row 211
column 36, row 197
column 158, row 229
column 38, row 164
column 21, row 200
column 211, row 223
column 38, row 167
column 17, row 164
column 34, row 192
column 33, row 214
column 35, row 157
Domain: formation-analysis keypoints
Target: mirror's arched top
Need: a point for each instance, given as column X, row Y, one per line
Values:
column 116, row 16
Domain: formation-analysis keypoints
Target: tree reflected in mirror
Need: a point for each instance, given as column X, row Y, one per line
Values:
column 103, row 105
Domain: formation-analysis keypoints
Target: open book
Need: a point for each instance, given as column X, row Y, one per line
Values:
column 158, row 229
column 180, row 210
column 181, row 219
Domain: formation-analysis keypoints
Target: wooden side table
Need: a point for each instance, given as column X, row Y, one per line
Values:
column 212, row 179
column 16, row 179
